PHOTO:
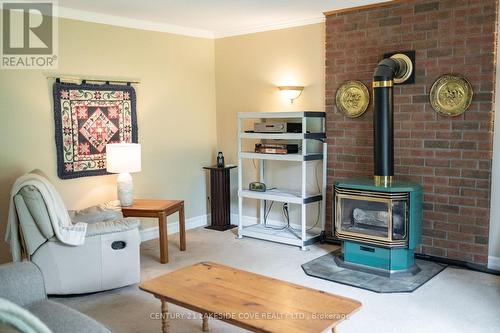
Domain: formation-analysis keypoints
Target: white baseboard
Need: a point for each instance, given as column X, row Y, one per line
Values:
column 494, row 263
column 173, row 228
column 247, row 220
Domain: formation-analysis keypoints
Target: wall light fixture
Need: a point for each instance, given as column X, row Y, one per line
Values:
column 291, row 92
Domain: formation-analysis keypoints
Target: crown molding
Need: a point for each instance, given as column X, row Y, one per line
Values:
column 87, row 16
column 270, row 27
column 82, row 15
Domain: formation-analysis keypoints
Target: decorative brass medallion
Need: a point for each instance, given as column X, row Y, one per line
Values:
column 451, row 95
column 352, row 98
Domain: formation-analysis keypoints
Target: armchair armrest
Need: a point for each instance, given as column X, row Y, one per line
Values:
column 22, row 283
column 110, row 211
column 108, row 227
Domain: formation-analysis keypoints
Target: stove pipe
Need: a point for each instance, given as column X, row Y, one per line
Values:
column 388, row 70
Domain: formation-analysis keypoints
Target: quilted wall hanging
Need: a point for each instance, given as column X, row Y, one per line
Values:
column 87, row 117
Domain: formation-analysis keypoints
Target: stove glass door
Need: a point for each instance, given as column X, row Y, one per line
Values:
column 365, row 216
column 399, row 216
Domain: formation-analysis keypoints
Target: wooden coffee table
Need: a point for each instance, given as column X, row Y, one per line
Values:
column 247, row 300
column 160, row 209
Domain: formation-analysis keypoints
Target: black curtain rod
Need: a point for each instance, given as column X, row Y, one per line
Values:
column 89, row 79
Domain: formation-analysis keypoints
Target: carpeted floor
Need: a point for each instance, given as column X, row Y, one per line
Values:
column 456, row 300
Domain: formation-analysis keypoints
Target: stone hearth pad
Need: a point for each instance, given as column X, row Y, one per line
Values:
column 326, row 268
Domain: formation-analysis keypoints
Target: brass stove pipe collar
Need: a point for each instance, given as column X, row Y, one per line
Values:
column 382, row 84
column 384, row 181
column 405, row 67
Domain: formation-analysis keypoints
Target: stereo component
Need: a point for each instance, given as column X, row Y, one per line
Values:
column 275, row 148
column 278, row 127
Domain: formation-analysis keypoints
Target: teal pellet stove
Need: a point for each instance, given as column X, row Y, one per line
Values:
column 380, row 225
column 379, row 220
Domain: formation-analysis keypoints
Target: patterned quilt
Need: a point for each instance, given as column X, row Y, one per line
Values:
column 87, row 117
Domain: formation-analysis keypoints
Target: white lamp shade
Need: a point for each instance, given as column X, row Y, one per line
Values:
column 123, row 157
column 291, row 92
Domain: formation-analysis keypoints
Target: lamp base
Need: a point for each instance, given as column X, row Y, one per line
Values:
column 125, row 189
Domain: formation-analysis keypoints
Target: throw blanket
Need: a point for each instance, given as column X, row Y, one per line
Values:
column 65, row 231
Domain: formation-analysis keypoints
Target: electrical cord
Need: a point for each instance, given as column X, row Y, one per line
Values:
column 267, row 211
column 285, row 211
column 286, row 214
column 266, row 214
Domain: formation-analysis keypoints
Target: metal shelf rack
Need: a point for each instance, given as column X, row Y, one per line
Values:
column 298, row 235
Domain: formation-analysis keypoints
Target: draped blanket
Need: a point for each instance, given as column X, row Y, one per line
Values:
column 65, row 231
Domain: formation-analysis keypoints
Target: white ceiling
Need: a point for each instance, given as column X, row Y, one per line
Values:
column 205, row 18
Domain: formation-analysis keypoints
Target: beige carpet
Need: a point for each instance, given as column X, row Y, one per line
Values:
column 455, row 300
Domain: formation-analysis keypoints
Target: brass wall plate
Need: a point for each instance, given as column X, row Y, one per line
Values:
column 451, row 95
column 352, row 98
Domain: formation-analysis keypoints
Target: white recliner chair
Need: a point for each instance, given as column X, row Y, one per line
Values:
column 108, row 259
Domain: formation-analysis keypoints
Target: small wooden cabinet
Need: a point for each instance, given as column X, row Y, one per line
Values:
column 220, row 198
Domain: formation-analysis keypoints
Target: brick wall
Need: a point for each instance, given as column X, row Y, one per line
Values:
column 449, row 156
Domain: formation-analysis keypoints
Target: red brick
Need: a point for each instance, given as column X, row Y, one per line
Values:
column 473, row 248
column 446, row 226
column 449, row 156
column 460, row 255
column 445, row 244
column 461, row 237
column 432, row 251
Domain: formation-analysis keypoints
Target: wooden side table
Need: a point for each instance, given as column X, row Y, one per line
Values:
column 160, row 209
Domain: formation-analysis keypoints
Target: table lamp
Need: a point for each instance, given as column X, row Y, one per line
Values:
column 124, row 158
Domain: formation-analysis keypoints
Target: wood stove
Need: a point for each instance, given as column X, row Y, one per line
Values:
column 380, row 225
column 379, row 220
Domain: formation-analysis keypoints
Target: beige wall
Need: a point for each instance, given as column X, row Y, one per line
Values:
column 250, row 67
column 248, row 70
column 176, row 114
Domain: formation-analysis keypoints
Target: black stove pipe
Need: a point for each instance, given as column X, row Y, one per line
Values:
column 383, row 122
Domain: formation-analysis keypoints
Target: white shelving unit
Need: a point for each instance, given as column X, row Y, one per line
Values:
column 297, row 235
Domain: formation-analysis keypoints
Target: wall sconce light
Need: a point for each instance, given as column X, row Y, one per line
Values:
column 291, row 92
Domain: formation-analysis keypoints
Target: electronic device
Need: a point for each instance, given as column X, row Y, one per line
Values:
column 277, row 127
column 220, row 160
column 276, row 148
column 257, row 186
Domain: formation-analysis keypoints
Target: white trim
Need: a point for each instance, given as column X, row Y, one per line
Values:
column 172, row 228
column 494, row 263
column 83, row 15
column 247, row 220
column 494, row 232
column 120, row 21
column 270, row 27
